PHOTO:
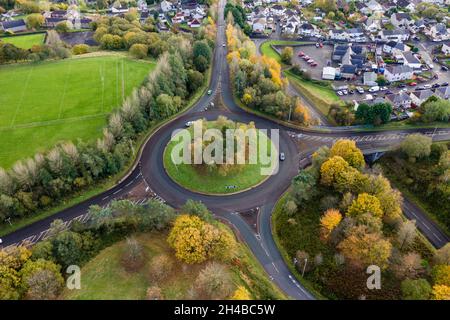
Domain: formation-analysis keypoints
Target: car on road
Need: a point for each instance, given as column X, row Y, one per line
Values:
column 444, row 84
column 282, row 156
column 211, row 104
column 419, row 88
column 224, row 45
column 413, row 84
column 209, row 92
column 189, row 123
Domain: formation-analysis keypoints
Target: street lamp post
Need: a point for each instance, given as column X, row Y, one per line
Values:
column 304, row 267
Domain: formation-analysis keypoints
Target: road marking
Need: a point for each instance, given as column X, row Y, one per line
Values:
column 426, row 226
column 118, row 191
column 105, row 198
column 275, row 267
column 129, row 183
column 437, row 236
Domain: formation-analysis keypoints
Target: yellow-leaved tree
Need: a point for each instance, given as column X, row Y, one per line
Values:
column 365, row 203
column 329, row 221
column 348, row 150
column 241, row 293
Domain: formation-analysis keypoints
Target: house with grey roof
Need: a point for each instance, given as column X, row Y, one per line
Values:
column 399, row 100
column 419, row 97
column 14, row 26
column 394, row 73
column 443, row 92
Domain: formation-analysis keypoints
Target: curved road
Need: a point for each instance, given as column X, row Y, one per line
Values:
column 150, row 170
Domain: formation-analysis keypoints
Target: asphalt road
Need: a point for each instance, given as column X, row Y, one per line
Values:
column 150, row 170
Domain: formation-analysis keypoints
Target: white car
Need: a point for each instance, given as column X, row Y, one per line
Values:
column 374, row 89
column 224, row 45
column 383, row 88
column 427, row 86
column 344, row 91
column 282, row 156
column 189, row 123
column 339, row 93
column 360, row 90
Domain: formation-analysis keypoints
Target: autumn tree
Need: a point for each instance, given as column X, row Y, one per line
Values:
column 406, row 233
column 35, row 20
column 160, row 267
column 348, row 150
column 213, row 282
column 365, row 203
column 409, row 266
column 441, row 274
column 441, row 292
column 329, row 221
column 442, row 255
column 364, row 248
column 286, row 55
column 241, row 293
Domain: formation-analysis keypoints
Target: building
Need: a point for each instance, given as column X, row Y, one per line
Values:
column 409, row 59
column 370, row 79
column 166, row 6
column 348, row 71
column 419, row 97
column 402, row 20
column 398, row 35
column 446, row 48
column 443, row 92
column 399, row 100
column 328, row 73
column 395, row 48
column 259, row 25
column 13, row 26
column 394, row 73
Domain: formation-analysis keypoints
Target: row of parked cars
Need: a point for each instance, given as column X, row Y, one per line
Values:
column 307, row 58
column 373, row 89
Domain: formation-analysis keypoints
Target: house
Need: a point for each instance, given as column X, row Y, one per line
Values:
column 439, row 32
column 355, row 34
column 401, row 20
column 399, row 100
column 418, row 26
column 306, row 30
column 338, row 34
column 446, row 48
column 328, row 73
column 394, row 73
column 443, row 92
column 166, row 6
column 370, row 78
column 194, row 23
column 178, row 18
column 278, row 10
column 289, row 28
column 372, row 24
column 259, row 25
column 418, row 97
column 398, row 35
column 409, row 59
column 406, row 4
column 144, row 16
column 348, row 71
column 13, row 26
column 116, row 10
column 373, row 7
column 52, row 22
column 395, row 48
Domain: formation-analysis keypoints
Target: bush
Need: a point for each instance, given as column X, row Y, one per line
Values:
column 80, row 49
column 139, row 51
column 133, row 255
column 160, row 267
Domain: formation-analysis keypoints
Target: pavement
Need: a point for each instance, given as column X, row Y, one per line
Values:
column 149, row 170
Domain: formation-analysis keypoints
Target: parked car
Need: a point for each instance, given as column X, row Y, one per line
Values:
column 436, row 85
column 282, row 156
column 351, row 91
column 317, row 45
column 321, row 44
column 189, row 123
column 301, row 54
column 413, row 84
column 339, row 93
column 314, row 64
column 383, row 88
column 427, row 86
column 344, row 91
column 209, row 92
column 402, row 85
column 444, row 84
column 310, row 61
column 374, row 89
column 306, row 58
column 360, row 90
column 444, row 68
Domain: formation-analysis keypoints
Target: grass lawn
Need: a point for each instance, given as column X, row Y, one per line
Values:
column 105, row 278
column 25, row 41
column 321, row 96
column 63, row 100
column 267, row 50
column 200, row 180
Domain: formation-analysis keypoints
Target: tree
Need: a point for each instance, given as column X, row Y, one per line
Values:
column 303, row 187
column 441, row 292
column 197, row 208
column 348, row 150
column 201, row 63
column 213, row 282
column 442, row 255
column 160, row 267
column 337, row 173
column 365, row 249
column 365, row 203
column 241, row 293
column 202, row 49
column 195, row 80
column 62, row 27
column 406, row 233
column 139, row 51
column 376, row 114
column 286, row 55
column 41, row 280
column 154, row 293
column 35, row 21
column 80, row 49
column 418, row 289
column 409, row 266
column 381, row 80
column 438, row 110
column 133, row 255
column 326, row 5
column 68, row 248
column 441, row 274
column 416, row 146
column 330, row 220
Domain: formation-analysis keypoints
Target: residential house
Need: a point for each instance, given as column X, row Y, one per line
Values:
column 418, row 97
column 439, row 32
column 372, row 24
column 356, row 34
column 409, row 59
column 394, row 73
column 307, row 30
column 395, row 48
column 259, row 25
column 443, row 92
column 278, row 10
column 446, row 48
column 398, row 35
column 52, row 22
column 402, row 20
column 338, row 34
column 373, row 8
column 14, row 26
column 117, row 10
column 194, row 23
column 399, row 100
column 178, row 18
column 406, row 4
column 348, row 71
column 166, row 6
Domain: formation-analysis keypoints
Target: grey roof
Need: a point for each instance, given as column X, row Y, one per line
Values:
column 13, row 24
column 395, row 32
column 423, row 94
column 410, row 57
column 443, row 92
column 397, row 98
column 348, row 68
column 398, row 69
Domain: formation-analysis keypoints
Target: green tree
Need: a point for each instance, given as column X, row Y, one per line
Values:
column 35, row 21
column 139, row 51
column 286, row 55
column 416, row 146
column 418, row 289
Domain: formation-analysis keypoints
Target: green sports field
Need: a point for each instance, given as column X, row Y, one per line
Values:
column 26, row 41
column 41, row 104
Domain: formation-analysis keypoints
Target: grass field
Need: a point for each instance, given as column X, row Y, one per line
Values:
column 201, row 180
column 267, row 50
column 105, row 278
column 25, row 41
column 64, row 100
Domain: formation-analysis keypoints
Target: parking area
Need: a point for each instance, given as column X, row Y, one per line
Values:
column 320, row 55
